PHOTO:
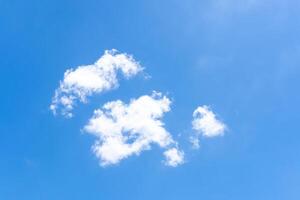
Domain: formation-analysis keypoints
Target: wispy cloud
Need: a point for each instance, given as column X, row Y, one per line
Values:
column 123, row 129
column 236, row 5
column 84, row 81
column 205, row 123
column 221, row 12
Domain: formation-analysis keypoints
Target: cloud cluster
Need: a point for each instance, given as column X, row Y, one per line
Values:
column 205, row 123
column 123, row 129
column 84, row 81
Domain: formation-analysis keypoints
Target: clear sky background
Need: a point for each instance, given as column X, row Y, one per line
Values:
column 240, row 57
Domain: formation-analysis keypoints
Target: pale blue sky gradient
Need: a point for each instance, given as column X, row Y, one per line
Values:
column 240, row 57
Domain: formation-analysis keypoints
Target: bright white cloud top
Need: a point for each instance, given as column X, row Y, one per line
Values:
column 84, row 81
column 206, row 123
column 123, row 130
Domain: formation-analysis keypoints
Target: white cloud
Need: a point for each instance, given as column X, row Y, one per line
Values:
column 205, row 123
column 174, row 157
column 84, row 81
column 123, row 129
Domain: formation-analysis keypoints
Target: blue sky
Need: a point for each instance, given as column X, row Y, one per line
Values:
column 239, row 57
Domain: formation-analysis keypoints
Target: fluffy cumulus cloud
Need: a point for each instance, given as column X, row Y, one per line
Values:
column 123, row 130
column 84, row 81
column 205, row 123
column 174, row 157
